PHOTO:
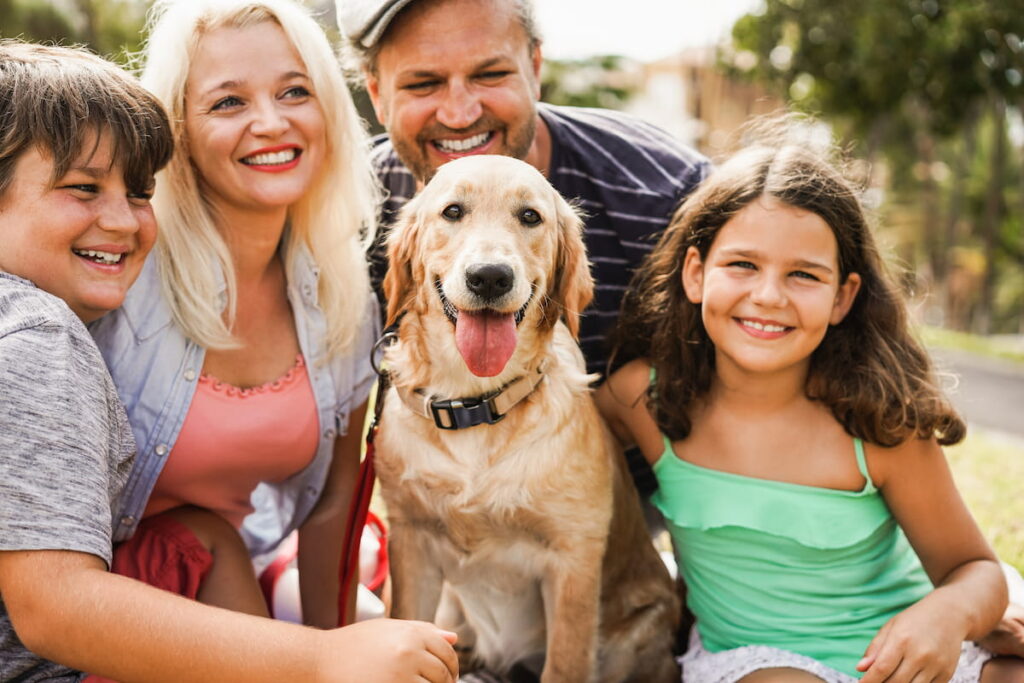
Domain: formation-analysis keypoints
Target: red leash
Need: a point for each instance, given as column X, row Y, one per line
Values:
column 349, row 569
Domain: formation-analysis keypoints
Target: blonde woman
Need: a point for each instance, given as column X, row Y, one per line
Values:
column 242, row 355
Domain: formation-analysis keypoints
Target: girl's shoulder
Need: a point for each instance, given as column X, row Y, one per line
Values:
column 911, row 455
column 633, row 378
column 622, row 400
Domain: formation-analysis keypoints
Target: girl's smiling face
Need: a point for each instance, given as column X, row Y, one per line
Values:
column 769, row 288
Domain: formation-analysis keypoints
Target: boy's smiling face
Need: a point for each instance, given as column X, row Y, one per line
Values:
column 83, row 238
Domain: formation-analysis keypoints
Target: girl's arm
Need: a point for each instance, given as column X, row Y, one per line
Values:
column 970, row 591
column 67, row 608
column 621, row 402
column 322, row 534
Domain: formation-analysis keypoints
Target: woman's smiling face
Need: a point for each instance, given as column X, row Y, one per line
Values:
column 255, row 130
column 769, row 288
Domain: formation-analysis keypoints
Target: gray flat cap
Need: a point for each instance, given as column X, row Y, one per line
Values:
column 364, row 21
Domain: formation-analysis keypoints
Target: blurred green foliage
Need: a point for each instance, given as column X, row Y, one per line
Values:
column 602, row 81
column 112, row 28
column 932, row 88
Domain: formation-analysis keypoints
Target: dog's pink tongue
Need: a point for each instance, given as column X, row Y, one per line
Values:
column 486, row 340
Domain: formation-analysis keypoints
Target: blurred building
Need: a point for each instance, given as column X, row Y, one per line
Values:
column 689, row 96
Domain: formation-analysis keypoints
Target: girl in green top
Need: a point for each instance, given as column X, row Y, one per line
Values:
column 794, row 425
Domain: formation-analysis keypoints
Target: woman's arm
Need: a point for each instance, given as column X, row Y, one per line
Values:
column 65, row 607
column 970, row 590
column 322, row 534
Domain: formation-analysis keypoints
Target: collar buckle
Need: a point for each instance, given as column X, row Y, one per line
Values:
column 460, row 413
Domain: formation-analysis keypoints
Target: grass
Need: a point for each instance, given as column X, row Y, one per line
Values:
column 993, row 347
column 989, row 470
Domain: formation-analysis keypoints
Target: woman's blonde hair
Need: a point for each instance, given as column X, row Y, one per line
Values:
column 338, row 209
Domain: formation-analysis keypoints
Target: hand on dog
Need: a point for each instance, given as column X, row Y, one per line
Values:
column 387, row 651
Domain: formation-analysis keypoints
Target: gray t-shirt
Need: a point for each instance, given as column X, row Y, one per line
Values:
column 65, row 446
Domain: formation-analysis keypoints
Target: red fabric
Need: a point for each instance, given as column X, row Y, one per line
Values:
column 166, row 554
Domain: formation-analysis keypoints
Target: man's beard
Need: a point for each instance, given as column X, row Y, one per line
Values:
column 517, row 143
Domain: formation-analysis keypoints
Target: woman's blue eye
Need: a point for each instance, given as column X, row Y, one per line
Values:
column 226, row 102
column 804, row 275
column 297, row 91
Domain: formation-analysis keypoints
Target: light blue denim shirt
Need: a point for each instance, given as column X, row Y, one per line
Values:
column 156, row 370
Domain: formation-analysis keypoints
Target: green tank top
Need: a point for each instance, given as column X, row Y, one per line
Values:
column 811, row 570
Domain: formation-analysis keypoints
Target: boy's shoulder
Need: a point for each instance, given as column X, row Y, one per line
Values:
column 24, row 306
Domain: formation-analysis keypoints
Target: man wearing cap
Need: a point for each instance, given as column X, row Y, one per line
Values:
column 449, row 78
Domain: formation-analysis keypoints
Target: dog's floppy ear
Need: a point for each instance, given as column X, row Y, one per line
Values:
column 573, row 285
column 400, row 281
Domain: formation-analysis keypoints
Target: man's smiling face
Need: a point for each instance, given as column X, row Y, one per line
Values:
column 454, row 78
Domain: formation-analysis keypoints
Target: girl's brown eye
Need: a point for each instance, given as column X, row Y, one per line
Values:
column 529, row 217
column 452, row 212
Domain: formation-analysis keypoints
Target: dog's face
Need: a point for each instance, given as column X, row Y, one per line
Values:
column 489, row 245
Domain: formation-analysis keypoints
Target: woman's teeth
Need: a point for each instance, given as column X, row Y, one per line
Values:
column 104, row 257
column 453, row 146
column 271, row 158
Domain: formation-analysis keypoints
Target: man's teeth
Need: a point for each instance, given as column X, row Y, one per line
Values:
column 271, row 158
column 764, row 328
column 104, row 257
column 462, row 145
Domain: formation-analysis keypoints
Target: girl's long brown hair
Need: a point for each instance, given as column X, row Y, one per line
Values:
column 872, row 373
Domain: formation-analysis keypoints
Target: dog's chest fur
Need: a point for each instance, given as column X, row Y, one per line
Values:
column 489, row 489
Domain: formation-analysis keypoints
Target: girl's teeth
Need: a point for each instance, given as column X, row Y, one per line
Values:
column 271, row 158
column 104, row 257
column 463, row 145
column 764, row 328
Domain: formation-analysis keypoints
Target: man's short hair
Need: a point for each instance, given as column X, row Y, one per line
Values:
column 364, row 25
column 55, row 98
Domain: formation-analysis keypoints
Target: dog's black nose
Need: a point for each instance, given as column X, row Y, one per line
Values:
column 489, row 280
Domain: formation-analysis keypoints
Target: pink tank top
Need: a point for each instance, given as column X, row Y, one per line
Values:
column 232, row 439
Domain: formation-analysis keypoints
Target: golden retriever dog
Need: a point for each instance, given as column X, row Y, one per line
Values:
column 527, row 518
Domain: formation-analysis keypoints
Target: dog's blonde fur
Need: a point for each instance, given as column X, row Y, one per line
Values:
column 531, row 524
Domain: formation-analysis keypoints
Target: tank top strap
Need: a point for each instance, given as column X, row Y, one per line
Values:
column 862, row 464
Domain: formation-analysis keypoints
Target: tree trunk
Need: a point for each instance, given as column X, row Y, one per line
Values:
column 994, row 204
column 954, row 316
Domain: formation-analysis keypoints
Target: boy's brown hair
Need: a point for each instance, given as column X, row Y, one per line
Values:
column 56, row 99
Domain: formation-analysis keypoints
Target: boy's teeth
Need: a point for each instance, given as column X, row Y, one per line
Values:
column 765, row 328
column 99, row 256
column 463, row 145
column 271, row 158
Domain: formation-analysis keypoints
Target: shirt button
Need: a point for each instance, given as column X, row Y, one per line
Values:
column 329, row 434
column 127, row 520
column 161, row 449
column 307, row 291
column 311, row 491
column 190, row 375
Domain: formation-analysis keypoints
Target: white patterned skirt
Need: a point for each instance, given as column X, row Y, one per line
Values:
column 728, row 666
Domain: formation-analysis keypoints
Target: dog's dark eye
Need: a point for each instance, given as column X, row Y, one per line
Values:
column 529, row 217
column 453, row 212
